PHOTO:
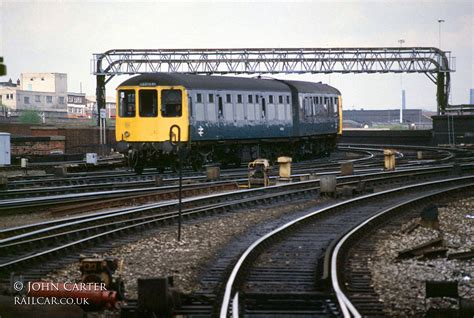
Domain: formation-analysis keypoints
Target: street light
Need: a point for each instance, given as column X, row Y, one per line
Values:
column 402, row 106
column 439, row 32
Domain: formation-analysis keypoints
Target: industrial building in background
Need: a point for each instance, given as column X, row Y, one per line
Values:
column 388, row 118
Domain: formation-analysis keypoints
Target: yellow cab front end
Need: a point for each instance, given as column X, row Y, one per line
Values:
column 146, row 114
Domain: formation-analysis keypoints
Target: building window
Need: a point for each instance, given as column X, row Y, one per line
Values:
column 211, row 98
column 37, row 98
column 148, row 103
column 27, row 100
column 49, row 99
column 61, row 99
column 228, row 98
column 11, row 96
column 199, row 98
column 239, row 99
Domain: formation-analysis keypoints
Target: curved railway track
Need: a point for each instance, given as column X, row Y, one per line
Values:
column 81, row 182
column 22, row 198
column 350, row 276
column 283, row 272
column 23, row 247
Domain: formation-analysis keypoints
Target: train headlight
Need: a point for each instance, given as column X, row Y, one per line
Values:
column 126, row 134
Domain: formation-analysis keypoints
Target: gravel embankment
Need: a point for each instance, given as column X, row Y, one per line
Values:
column 401, row 283
column 160, row 254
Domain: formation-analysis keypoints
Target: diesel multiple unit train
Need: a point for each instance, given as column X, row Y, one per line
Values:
column 223, row 119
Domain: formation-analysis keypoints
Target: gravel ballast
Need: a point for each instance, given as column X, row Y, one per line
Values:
column 160, row 254
column 400, row 283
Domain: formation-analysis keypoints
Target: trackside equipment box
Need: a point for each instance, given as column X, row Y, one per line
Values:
column 5, row 149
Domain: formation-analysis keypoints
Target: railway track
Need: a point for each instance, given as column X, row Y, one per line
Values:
column 284, row 273
column 23, row 247
column 351, row 279
column 108, row 179
column 19, row 197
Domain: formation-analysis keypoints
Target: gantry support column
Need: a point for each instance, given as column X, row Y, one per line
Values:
column 441, row 92
column 100, row 95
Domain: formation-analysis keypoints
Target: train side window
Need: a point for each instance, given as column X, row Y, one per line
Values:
column 270, row 99
column 211, row 98
column 147, row 103
column 271, row 112
column 288, row 111
column 228, row 112
column 211, row 113
column 250, row 99
column 198, row 98
column 264, row 108
column 287, row 99
column 228, row 98
column 171, row 103
column 280, row 99
column 305, row 108
column 239, row 99
column 251, row 112
column 127, row 103
column 239, row 112
column 200, row 112
column 281, row 112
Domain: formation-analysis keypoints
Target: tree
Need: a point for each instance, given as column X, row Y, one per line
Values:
column 30, row 117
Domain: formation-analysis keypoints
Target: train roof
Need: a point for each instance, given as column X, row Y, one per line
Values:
column 208, row 82
column 310, row 87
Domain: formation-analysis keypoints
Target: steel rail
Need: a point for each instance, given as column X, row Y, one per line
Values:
column 229, row 286
column 348, row 309
column 137, row 222
column 81, row 180
column 370, row 178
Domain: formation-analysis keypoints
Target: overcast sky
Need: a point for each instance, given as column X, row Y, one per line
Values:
column 61, row 36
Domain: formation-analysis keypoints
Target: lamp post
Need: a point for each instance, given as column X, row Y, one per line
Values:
column 439, row 32
column 401, row 41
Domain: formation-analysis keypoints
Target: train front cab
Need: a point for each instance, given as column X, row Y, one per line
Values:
column 147, row 113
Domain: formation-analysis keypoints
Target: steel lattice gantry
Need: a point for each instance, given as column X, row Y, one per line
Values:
column 436, row 64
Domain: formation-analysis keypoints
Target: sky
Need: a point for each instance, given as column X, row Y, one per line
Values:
column 61, row 36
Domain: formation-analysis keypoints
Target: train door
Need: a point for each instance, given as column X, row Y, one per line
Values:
column 174, row 111
column 264, row 108
column 220, row 108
